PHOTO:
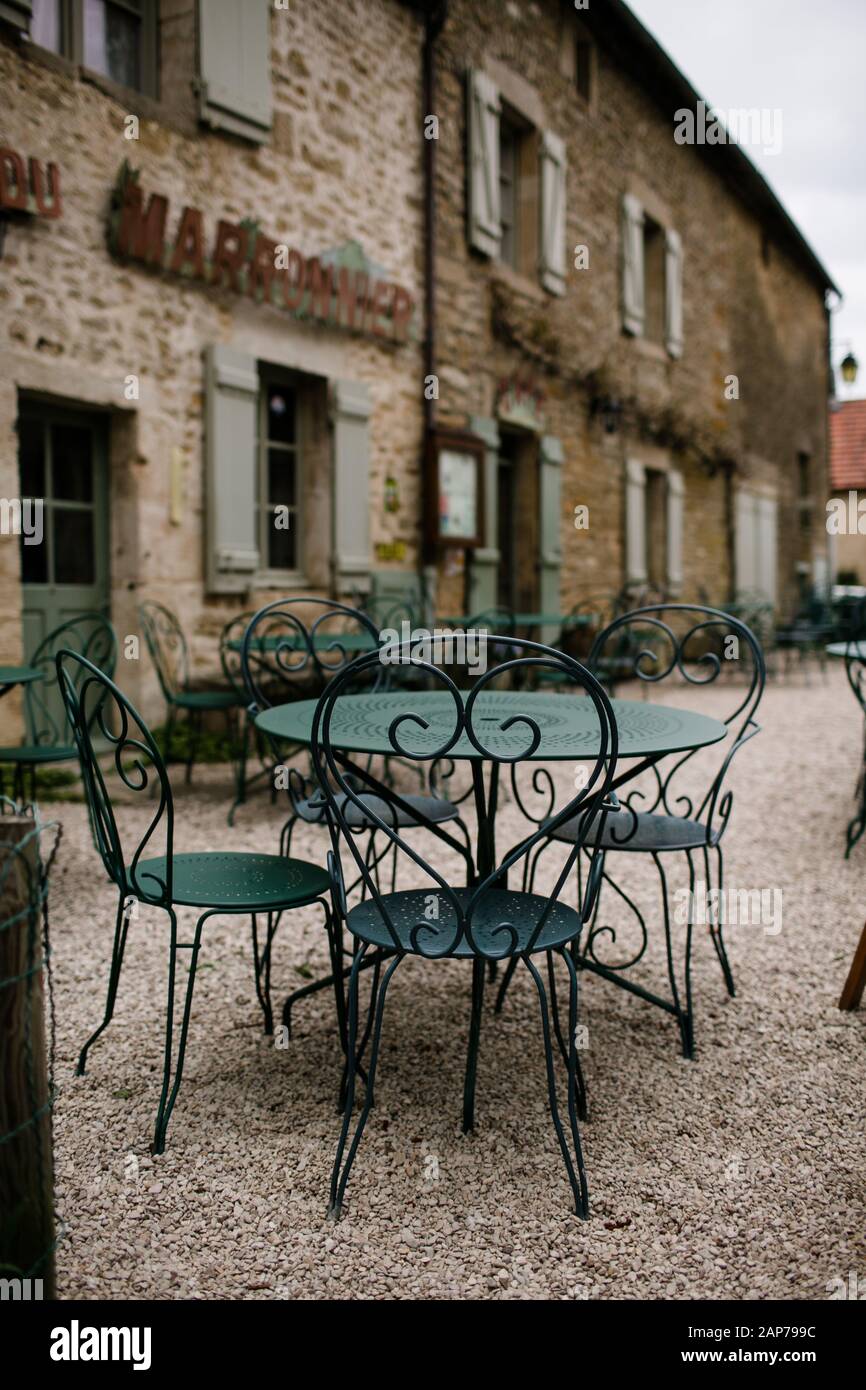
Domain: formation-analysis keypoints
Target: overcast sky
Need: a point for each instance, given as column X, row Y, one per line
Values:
column 809, row 61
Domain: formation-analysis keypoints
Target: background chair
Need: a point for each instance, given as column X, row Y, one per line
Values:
column 855, row 670
column 48, row 738
column 170, row 655
column 146, row 869
column 692, row 644
column 481, row 923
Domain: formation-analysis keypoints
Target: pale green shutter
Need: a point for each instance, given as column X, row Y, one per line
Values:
column 553, row 199
column 633, row 298
column 484, row 562
column 18, row 13
column 767, row 536
column 674, row 293
column 235, row 66
column 485, row 219
column 745, row 544
column 675, row 492
column 350, row 418
column 550, row 458
column 635, row 522
column 232, row 392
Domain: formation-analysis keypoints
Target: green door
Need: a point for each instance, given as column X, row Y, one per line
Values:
column 63, row 460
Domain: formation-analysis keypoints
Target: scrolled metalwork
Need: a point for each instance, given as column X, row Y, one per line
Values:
column 90, row 634
column 458, row 929
column 93, row 702
column 661, row 640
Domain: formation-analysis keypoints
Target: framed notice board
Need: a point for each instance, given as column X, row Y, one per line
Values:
column 454, row 504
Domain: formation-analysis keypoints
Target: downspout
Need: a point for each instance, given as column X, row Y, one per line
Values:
column 434, row 20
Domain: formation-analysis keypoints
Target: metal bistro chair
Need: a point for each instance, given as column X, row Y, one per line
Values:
column 483, row 922
column 170, row 655
column 855, row 670
column 213, row 882
column 49, row 737
column 674, row 640
column 310, row 641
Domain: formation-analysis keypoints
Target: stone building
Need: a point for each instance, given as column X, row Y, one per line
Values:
column 224, row 226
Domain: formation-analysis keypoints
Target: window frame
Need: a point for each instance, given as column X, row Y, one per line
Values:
column 273, row 376
column 72, row 42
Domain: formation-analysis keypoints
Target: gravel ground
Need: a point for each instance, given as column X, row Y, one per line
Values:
column 739, row 1174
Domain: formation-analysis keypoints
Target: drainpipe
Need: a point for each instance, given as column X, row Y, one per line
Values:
column 434, row 20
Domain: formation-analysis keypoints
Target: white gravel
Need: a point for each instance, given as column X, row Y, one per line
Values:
column 740, row 1174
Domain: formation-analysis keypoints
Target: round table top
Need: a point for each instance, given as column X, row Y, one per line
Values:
column 20, row 675
column 857, row 649
column 568, row 725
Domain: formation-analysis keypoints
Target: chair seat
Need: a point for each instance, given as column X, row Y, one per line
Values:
column 236, row 882
column 645, row 831
column 433, row 808
column 207, row 699
column 38, row 753
column 498, row 906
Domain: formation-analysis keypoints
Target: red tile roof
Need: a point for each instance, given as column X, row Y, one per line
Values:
column 848, row 446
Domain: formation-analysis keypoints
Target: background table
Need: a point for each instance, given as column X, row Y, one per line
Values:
column 17, row 675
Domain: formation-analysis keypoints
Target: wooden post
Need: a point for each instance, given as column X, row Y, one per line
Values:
column 856, row 981
column 26, row 1159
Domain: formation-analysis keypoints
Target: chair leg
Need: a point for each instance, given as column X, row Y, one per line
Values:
column 478, row 964
column 242, row 735
column 716, row 927
column 120, row 929
column 262, row 963
column 194, row 735
column 683, row 1015
column 340, row 1175
column 169, row 1096
column 576, row 1178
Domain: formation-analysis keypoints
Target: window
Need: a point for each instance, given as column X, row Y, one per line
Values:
column 656, row 519
column 116, row 38
column 518, row 194
column 652, row 278
column 279, row 482
column 654, row 257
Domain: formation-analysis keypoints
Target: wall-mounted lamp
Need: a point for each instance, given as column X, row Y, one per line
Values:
column 610, row 410
column 849, row 367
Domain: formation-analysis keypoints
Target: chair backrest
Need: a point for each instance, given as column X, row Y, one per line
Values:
column 167, row 646
column 386, row 611
column 475, row 720
column 95, row 707
column 89, row 634
column 231, row 645
column 695, row 644
column 295, row 645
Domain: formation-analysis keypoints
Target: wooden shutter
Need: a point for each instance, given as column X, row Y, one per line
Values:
column 18, row 13
column 350, row 417
column 674, row 293
column 766, row 530
column 553, row 207
column 635, row 522
column 633, row 298
column 235, row 66
column 485, row 222
column 675, row 496
column 232, row 394
column 745, row 543
column 550, row 458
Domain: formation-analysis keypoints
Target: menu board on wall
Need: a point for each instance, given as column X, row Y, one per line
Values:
column 454, row 495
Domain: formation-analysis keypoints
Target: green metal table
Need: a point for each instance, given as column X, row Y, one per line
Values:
column 322, row 641
column 568, row 727
column 569, row 730
column 857, row 649
column 18, row 675
column 532, row 619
